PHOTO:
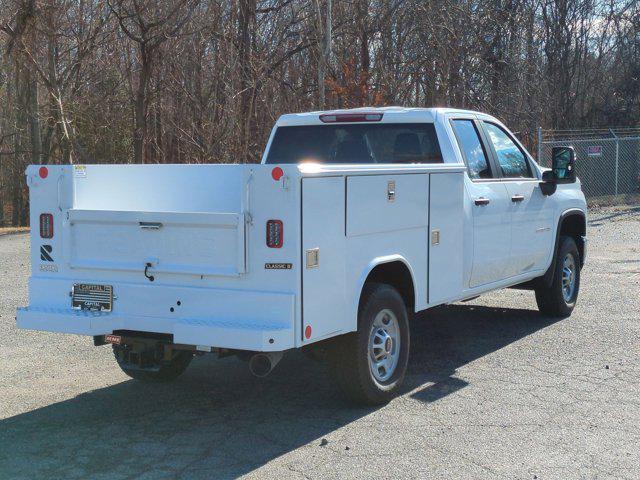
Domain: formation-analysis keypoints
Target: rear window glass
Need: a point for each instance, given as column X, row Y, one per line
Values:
column 356, row 143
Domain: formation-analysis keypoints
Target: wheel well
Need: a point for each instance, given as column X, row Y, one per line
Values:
column 575, row 226
column 397, row 275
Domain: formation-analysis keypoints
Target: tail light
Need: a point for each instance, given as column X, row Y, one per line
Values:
column 46, row 225
column 275, row 232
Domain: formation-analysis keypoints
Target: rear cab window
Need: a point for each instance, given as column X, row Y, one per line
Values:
column 356, row 143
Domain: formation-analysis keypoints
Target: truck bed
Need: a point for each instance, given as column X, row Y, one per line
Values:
column 199, row 232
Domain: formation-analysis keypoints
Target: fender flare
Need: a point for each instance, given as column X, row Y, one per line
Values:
column 547, row 278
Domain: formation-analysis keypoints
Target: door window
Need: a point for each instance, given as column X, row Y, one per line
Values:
column 471, row 146
column 513, row 162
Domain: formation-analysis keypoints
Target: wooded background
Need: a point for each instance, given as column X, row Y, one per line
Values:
column 177, row 81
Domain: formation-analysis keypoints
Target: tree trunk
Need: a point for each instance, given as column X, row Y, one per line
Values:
column 33, row 116
column 245, row 14
column 141, row 106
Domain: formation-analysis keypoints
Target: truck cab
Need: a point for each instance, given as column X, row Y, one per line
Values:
column 354, row 220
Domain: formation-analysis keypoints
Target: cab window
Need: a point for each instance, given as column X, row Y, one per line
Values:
column 512, row 160
column 472, row 149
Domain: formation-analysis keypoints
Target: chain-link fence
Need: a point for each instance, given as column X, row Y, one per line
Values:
column 607, row 160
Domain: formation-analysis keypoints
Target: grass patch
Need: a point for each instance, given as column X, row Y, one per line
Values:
column 12, row 230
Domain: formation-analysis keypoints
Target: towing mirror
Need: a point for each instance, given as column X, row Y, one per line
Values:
column 563, row 163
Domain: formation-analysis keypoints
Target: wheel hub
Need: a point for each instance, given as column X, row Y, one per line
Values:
column 568, row 277
column 384, row 345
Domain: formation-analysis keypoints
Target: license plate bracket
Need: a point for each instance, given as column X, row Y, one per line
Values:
column 88, row 296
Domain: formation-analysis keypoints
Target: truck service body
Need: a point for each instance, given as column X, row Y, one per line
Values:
column 348, row 208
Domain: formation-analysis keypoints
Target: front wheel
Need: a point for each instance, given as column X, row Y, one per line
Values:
column 559, row 299
column 369, row 365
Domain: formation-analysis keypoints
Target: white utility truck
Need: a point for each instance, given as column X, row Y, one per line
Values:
column 355, row 220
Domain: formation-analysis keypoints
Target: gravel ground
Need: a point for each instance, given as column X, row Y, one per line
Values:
column 493, row 390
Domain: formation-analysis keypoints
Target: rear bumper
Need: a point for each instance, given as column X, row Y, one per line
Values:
column 243, row 320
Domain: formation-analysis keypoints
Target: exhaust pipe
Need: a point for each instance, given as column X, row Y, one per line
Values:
column 261, row 364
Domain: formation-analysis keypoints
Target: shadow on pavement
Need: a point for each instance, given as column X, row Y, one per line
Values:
column 448, row 337
column 217, row 421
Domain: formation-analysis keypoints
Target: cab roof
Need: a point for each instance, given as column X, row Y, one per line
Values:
column 390, row 115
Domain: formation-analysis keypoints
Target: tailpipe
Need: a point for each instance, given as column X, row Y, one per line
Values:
column 261, row 364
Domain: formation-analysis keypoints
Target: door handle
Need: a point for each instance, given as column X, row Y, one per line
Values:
column 150, row 225
column 481, row 201
column 517, row 198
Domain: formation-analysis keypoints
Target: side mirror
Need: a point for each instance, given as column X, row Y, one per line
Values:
column 548, row 176
column 548, row 184
column 563, row 164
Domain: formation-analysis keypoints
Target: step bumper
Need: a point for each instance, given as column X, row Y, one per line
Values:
column 234, row 333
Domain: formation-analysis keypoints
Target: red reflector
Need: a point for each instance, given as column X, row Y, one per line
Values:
column 351, row 117
column 46, row 225
column 43, row 172
column 277, row 173
column 275, row 231
column 115, row 339
column 307, row 331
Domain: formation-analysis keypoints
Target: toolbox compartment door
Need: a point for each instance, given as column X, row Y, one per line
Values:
column 170, row 242
column 323, row 257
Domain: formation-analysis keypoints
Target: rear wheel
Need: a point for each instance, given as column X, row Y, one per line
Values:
column 370, row 364
column 559, row 299
column 156, row 367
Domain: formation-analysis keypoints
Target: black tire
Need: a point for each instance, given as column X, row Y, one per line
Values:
column 349, row 357
column 167, row 372
column 551, row 300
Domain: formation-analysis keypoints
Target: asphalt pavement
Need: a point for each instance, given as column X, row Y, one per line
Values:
column 494, row 390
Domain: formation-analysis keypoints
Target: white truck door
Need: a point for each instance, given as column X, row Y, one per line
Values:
column 532, row 216
column 323, row 262
column 490, row 207
column 531, row 227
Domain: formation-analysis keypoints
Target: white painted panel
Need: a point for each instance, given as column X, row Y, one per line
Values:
column 491, row 232
column 532, row 227
column 323, row 287
column 369, row 209
column 399, row 232
column 245, row 319
column 366, row 252
column 446, row 277
column 185, row 243
column 163, row 188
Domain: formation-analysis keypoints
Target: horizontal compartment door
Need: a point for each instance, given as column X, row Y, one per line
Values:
column 172, row 242
column 386, row 203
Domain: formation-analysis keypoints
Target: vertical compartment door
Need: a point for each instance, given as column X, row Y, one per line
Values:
column 446, row 245
column 323, row 258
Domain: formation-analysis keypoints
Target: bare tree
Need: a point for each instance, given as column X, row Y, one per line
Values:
column 148, row 24
column 106, row 81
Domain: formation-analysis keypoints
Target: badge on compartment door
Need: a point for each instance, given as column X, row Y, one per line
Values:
column 85, row 296
column 278, row 266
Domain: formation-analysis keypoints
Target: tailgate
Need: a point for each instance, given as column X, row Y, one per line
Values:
column 192, row 243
